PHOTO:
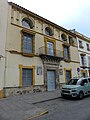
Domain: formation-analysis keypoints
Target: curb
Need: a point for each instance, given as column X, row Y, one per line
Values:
column 37, row 115
column 46, row 100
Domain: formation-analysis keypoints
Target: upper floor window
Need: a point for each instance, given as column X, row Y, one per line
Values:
column 83, row 60
column 66, row 53
column 48, row 31
column 27, row 23
column 71, row 41
column 27, row 43
column 88, row 47
column 89, row 61
column 80, row 44
column 50, row 48
column 63, row 37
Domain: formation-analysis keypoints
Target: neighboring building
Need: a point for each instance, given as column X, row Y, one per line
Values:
column 84, row 54
column 3, row 26
column 40, row 55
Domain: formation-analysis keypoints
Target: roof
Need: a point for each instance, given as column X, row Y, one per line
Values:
column 41, row 18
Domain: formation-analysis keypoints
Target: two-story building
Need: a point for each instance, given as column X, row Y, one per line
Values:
column 3, row 27
column 84, row 54
column 40, row 55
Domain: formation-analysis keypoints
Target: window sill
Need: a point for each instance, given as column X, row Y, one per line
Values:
column 67, row 60
column 28, row 54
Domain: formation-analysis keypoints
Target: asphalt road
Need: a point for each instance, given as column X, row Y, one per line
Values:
column 66, row 109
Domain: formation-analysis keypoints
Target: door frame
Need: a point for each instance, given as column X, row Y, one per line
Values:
column 55, row 77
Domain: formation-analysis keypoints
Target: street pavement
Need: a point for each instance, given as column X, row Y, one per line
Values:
column 23, row 107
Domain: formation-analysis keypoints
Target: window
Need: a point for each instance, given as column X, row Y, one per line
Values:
column 63, row 37
column 27, row 43
column 71, row 41
column 88, row 61
column 83, row 60
column 68, row 75
column 48, row 31
column 27, row 77
column 88, row 48
column 50, row 48
column 84, row 81
column 27, row 23
column 66, row 53
column 80, row 44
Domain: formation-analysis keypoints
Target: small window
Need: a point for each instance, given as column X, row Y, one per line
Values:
column 63, row 37
column 48, row 31
column 27, row 23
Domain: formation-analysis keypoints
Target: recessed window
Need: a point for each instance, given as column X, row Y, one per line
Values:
column 89, row 61
column 27, row 23
column 88, row 47
column 63, row 37
column 27, row 77
column 27, row 43
column 71, row 41
column 50, row 48
column 83, row 60
column 66, row 53
column 80, row 44
column 48, row 31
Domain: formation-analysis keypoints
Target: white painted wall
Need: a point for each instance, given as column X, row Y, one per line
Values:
column 84, row 50
column 3, row 27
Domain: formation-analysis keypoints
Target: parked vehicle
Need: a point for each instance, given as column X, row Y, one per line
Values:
column 76, row 87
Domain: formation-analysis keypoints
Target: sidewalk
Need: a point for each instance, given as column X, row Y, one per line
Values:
column 24, row 106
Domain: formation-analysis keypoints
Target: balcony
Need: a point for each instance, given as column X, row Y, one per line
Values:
column 51, row 54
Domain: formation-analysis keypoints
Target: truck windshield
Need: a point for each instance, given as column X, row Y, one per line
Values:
column 73, row 82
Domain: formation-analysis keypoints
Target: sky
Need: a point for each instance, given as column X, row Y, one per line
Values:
column 70, row 14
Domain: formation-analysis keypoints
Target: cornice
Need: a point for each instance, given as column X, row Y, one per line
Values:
column 41, row 18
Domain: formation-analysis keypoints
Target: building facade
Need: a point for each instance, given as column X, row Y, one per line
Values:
column 84, row 54
column 3, row 27
column 40, row 55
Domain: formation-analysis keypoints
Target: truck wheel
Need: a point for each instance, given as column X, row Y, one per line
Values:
column 81, row 95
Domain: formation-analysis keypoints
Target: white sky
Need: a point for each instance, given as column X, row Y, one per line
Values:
column 70, row 14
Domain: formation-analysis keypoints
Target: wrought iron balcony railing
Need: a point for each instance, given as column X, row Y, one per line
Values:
column 50, row 52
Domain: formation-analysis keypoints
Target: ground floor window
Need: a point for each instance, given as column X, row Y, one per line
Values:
column 27, row 75
column 68, row 74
